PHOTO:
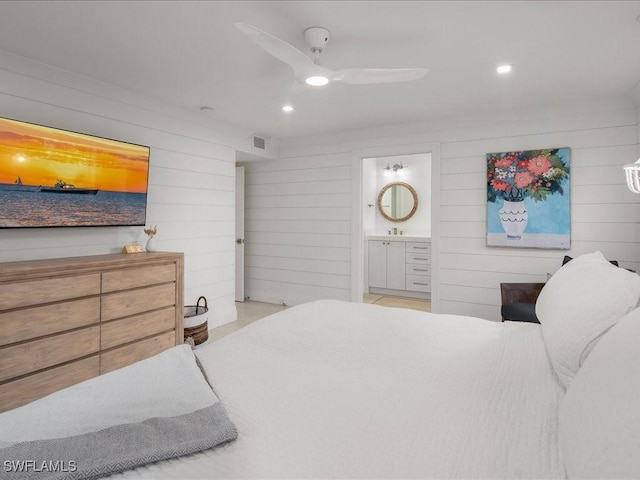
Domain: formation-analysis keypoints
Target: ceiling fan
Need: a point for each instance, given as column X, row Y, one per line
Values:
column 310, row 71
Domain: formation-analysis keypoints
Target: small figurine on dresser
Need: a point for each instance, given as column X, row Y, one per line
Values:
column 151, row 244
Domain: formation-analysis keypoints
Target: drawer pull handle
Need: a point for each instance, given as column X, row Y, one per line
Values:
column 420, row 248
column 418, row 258
column 420, row 269
column 418, row 283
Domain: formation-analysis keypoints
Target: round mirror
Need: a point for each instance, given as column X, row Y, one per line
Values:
column 397, row 201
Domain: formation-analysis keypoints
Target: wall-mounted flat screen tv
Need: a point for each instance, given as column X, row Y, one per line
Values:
column 57, row 178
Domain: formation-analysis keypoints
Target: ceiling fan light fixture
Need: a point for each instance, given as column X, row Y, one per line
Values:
column 311, row 72
column 316, row 80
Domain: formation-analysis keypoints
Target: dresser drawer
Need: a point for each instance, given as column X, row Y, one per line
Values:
column 419, row 258
column 127, row 279
column 31, row 387
column 23, row 358
column 418, row 269
column 28, row 323
column 134, row 352
column 132, row 302
column 124, row 330
column 418, row 247
column 36, row 292
column 418, row 283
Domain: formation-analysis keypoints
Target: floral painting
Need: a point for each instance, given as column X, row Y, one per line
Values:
column 528, row 199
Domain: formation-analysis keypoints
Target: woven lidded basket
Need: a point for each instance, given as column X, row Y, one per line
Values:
column 195, row 321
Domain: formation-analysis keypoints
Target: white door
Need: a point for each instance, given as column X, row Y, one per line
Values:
column 239, row 234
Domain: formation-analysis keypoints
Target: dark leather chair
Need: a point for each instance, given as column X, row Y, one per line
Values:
column 519, row 301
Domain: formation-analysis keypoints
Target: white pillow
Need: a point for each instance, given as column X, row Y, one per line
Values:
column 578, row 304
column 599, row 415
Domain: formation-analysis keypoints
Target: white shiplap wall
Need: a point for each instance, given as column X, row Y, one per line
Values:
column 602, row 136
column 191, row 179
column 604, row 214
column 297, row 229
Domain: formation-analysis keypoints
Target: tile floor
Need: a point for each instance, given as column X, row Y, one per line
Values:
column 250, row 311
column 401, row 302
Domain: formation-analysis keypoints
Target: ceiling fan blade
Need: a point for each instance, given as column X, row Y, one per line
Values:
column 278, row 48
column 363, row 76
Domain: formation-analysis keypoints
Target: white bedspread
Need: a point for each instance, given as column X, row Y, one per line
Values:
column 332, row 389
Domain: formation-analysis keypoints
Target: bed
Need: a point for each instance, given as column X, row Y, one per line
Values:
column 333, row 389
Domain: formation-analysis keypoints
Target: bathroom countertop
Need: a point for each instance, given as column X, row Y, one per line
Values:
column 399, row 238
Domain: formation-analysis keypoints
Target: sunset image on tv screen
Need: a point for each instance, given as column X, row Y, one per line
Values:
column 51, row 177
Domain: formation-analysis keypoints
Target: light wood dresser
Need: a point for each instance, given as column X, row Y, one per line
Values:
column 66, row 320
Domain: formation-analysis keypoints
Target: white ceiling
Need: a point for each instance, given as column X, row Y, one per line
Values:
column 189, row 54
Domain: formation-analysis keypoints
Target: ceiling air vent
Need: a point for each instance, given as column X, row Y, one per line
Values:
column 258, row 142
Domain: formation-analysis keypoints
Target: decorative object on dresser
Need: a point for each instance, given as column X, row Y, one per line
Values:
column 196, row 322
column 132, row 249
column 151, row 243
column 66, row 320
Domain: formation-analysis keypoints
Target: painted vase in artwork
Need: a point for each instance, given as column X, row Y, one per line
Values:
column 514, row 217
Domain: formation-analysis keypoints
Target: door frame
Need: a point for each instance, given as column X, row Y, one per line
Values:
column 357, row 230
column 239, row 234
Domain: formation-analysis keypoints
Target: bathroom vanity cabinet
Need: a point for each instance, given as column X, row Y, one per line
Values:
column 399, row 265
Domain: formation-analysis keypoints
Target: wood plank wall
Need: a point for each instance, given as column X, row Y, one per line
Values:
column 604, row 213
column 191, row 179
column 297, row 229
column 603, row 136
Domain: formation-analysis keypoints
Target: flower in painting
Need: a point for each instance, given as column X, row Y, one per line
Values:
column 514, row 176
column 499, row 186
column 523, row 179
column 539, row 165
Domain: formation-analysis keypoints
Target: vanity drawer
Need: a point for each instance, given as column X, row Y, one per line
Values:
column 417, row 269
column 418, row 247
column 418, row 283
column 419, row 258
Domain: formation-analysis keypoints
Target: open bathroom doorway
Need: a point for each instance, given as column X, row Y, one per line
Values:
column 397, row 230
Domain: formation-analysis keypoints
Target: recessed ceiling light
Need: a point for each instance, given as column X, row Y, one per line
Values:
column 287, row 108
column 503, row 69
column 317, row 80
